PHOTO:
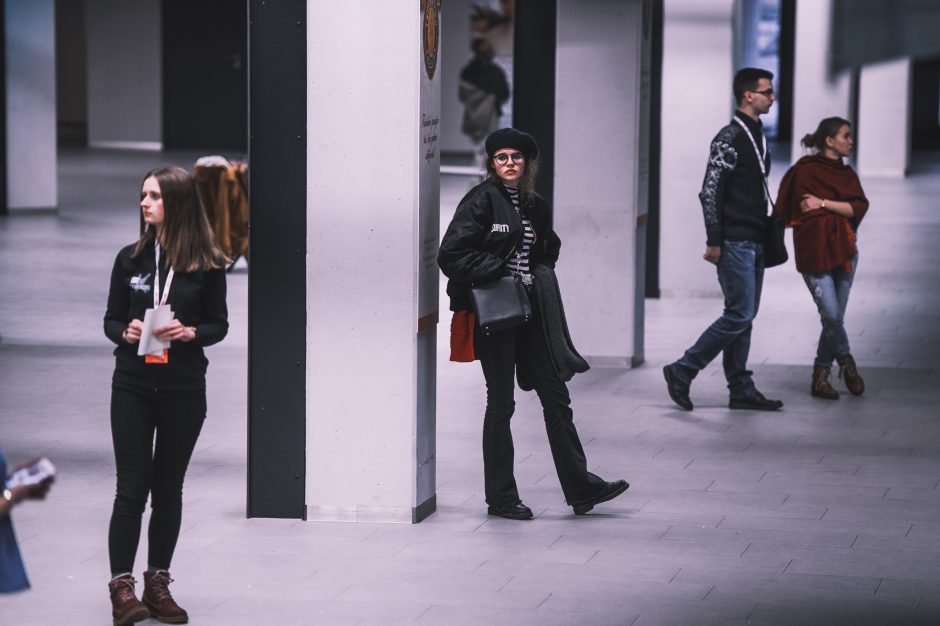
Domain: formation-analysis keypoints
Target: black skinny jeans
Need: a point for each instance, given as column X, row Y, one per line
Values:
column 499, row 354
column 145, row 467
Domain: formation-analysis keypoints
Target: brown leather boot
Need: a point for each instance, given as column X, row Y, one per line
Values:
column 821, row 387
column 126, row 608
column 848, row 371
column 158, row 599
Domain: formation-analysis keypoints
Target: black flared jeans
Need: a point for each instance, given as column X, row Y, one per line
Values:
column 499, row 355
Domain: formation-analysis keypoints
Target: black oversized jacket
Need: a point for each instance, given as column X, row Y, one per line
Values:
column 484, row 232
column 197, row 299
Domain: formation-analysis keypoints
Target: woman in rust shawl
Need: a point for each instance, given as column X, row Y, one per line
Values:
column 822, row 199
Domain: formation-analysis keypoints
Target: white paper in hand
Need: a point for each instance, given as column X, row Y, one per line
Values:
column 154, row 318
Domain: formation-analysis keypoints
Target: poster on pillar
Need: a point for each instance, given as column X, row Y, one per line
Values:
column 429, row 163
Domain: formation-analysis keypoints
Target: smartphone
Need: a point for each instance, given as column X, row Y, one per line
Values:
column 33, row 474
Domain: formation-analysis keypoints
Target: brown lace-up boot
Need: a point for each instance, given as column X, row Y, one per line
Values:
column 158, row 599
column 126, row 608
column 848, row 371
column 821, row 387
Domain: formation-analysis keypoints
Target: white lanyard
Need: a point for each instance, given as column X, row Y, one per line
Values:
column 760, row 159
column 160, row 301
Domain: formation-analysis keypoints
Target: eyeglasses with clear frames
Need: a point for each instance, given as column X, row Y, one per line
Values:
column 503, row 157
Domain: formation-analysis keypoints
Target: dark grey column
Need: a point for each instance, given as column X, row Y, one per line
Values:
column 277, row 293
column 204, row 50
column 655, row 139
column 533, row 97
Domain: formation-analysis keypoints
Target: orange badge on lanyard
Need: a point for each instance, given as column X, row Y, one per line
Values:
column 159, row 359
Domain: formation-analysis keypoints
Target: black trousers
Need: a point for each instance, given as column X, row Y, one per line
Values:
column 154, row 466
column 499, row 355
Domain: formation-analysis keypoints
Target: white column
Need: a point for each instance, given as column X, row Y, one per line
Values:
column 816, row 93
column 373, row 213
column 600, row 175
column 884, row 119
column 696, row 102
column 125, row 81
column 31, row 112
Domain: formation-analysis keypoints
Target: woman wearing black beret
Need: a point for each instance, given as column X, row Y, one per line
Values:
column 500, row 227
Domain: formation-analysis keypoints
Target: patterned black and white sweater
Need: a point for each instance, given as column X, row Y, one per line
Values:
column 733, row 199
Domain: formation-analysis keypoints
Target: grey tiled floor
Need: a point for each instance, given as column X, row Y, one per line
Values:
column 824, row 513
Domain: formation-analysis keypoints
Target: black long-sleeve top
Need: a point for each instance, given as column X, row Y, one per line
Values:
column 734, row 202
column 197, row 299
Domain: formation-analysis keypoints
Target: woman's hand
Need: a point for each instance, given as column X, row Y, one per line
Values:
column 175, row 331
column 810, row 203
column 132, row 334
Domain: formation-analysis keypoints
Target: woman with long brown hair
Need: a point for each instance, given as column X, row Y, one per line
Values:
column 503, row 227
column 158, row 400
column 821, row 197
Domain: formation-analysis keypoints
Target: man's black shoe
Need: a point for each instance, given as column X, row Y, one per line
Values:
column 678, row 390
column 608, row 492
column 754, row 401
column 511, row 511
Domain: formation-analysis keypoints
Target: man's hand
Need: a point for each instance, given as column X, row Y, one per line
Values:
column 712, row 254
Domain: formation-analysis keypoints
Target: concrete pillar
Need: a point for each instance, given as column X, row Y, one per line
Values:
column 697, row 102
column 601, row 170
column 125, row 79
column 884, row 119
column 31, row 117
column 373, row 103
column 816, row 93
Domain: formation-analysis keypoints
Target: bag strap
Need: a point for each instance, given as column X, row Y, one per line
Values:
column 760, row 160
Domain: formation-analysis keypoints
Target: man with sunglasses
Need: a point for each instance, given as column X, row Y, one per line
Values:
column 734, row 204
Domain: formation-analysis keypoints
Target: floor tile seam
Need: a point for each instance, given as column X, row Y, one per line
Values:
column 722, row 575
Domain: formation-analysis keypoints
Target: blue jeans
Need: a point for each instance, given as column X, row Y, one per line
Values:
column 741, row 276
column 830, row 291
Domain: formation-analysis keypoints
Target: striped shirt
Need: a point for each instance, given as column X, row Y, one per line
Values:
column 519, row 261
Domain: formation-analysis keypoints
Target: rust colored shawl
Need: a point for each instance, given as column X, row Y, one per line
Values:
column 822, row 240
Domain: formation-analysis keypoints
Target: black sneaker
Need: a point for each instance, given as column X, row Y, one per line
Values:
column 754, row 401
column 678, row 390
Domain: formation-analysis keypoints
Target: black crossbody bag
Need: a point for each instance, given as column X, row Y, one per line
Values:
column 501, row 304
column 775, row 248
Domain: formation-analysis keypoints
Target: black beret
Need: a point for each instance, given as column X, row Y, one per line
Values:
column 512, row 138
